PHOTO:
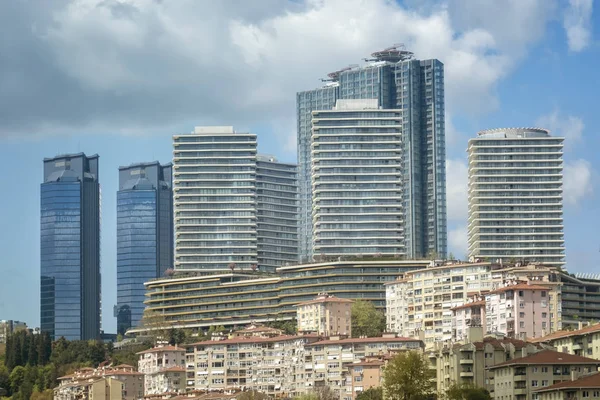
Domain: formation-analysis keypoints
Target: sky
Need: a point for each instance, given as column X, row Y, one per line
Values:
column 120, row 77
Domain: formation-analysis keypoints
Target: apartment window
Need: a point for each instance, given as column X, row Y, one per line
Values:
column 521, row 305
column 534, row 369
column 545, row 370
column 596, row 393
column 585, row 394
column 544, row 383
column 358, row 379
column 544, row 324
column 544, row 294
column 520, row 293
column 521, row 315
column 522, row 324
column 534, row 383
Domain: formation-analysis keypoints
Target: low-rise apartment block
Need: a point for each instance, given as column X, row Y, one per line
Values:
column 583, row 342
column 518, row 310
column 164, row 369
column 521, row 378
column 326, row 315
column 364, row 375
column 120, row 382
column 468, row 363
column 285, row 365
column 585, row 387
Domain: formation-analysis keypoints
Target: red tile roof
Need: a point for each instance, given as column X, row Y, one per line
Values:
column 519, row 286
column 244, row 339
column 564, row 334
column 548, row 357
column 364, row 340
column 479, row 303
column 586, row 382
column 328, row 299
column 161, row 349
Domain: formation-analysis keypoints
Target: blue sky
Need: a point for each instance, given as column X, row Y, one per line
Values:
column 119, row 78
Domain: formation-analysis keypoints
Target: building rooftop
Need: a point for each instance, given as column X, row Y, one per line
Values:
column 548, row 357
column 514, row 133
column 161, row 349
column 239, row 340
column 363, row 340
column 470, row 304
column 519, row 286
column 565, row 334
column 586, row 382
column 325, row 298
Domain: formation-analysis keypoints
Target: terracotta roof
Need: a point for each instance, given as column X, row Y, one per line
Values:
column 470, row 304
column 161, row 349
column 364, row 340
column 565, row 333
column 253, row 329
column 374, row 363
column 519, row 286
column 586, row 382
column 548, row 357
column 328, row 299
column 238, row 340
column 124, row 366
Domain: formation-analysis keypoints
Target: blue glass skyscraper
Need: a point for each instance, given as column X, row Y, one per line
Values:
column 144, row 235
column 70, row 247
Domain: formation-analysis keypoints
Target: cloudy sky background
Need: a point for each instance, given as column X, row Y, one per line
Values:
column 119, row 77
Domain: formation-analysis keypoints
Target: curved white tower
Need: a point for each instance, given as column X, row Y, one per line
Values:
column 515, row 196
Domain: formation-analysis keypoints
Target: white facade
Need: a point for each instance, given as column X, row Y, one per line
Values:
column 164, row 369
column 357, row 180
column 214, row 189
column 515, row 196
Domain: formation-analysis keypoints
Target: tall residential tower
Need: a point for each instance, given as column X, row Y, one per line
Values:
column 515, row 196
column 415, row 87
column 144, row 235
column 70, row 247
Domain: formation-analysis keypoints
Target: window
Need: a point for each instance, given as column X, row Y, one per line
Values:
column 521, row 305
column 585, row 394
column 534, row 383
column 544, row 294
column 522, row 324
column 534, row 369
column 544, row 383
column 520, row 293
column 358, row 379
column 545, row 369
column 544, row 315
column 596, row 393
column 521, row 315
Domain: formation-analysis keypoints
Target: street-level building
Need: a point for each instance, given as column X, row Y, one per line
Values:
column 163, row 368
column 520, row 378
column 515, row 196
column 326, row 315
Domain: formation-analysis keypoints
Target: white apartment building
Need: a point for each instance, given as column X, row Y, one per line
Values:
column 357, row 180
column 325, row 315
column 214, row 190
column 164, row 369
column 420, row 304
column 515, row 196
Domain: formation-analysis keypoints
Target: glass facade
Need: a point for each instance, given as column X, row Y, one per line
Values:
column 416, row 87
column 70, row 244
column 277, row 212
column 144, row 236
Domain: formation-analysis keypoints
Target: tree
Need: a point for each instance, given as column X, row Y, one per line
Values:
column 16, row 378
column 155, row 325
column 252, row 395
column 407, row 376
column 373, row 393
column 466, row 392
column 366, row 319
column 319, row 393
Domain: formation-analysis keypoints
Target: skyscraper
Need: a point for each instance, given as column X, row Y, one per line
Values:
column 215, row 199
column 416, row 87
column 144, row 235
column 515, row 196
column 70, row 247
column 357, row 180
column 277, row 213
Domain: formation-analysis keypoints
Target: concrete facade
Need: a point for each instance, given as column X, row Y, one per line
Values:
column 163, row 368
column 326, row 315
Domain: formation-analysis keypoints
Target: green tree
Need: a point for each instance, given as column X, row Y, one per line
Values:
column 366, row 319
column 407, row 376
column 466, row 392
column 373, row 393
column 4, row 378
column 42, row 395
column 319, row 393
column 252, row 395
column 16, row 378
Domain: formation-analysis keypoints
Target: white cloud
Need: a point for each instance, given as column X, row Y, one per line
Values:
column 568, row 126
column 458, row 242
column 577, row 24
column 577, row 181
column 139, row 63
column 456, row 190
